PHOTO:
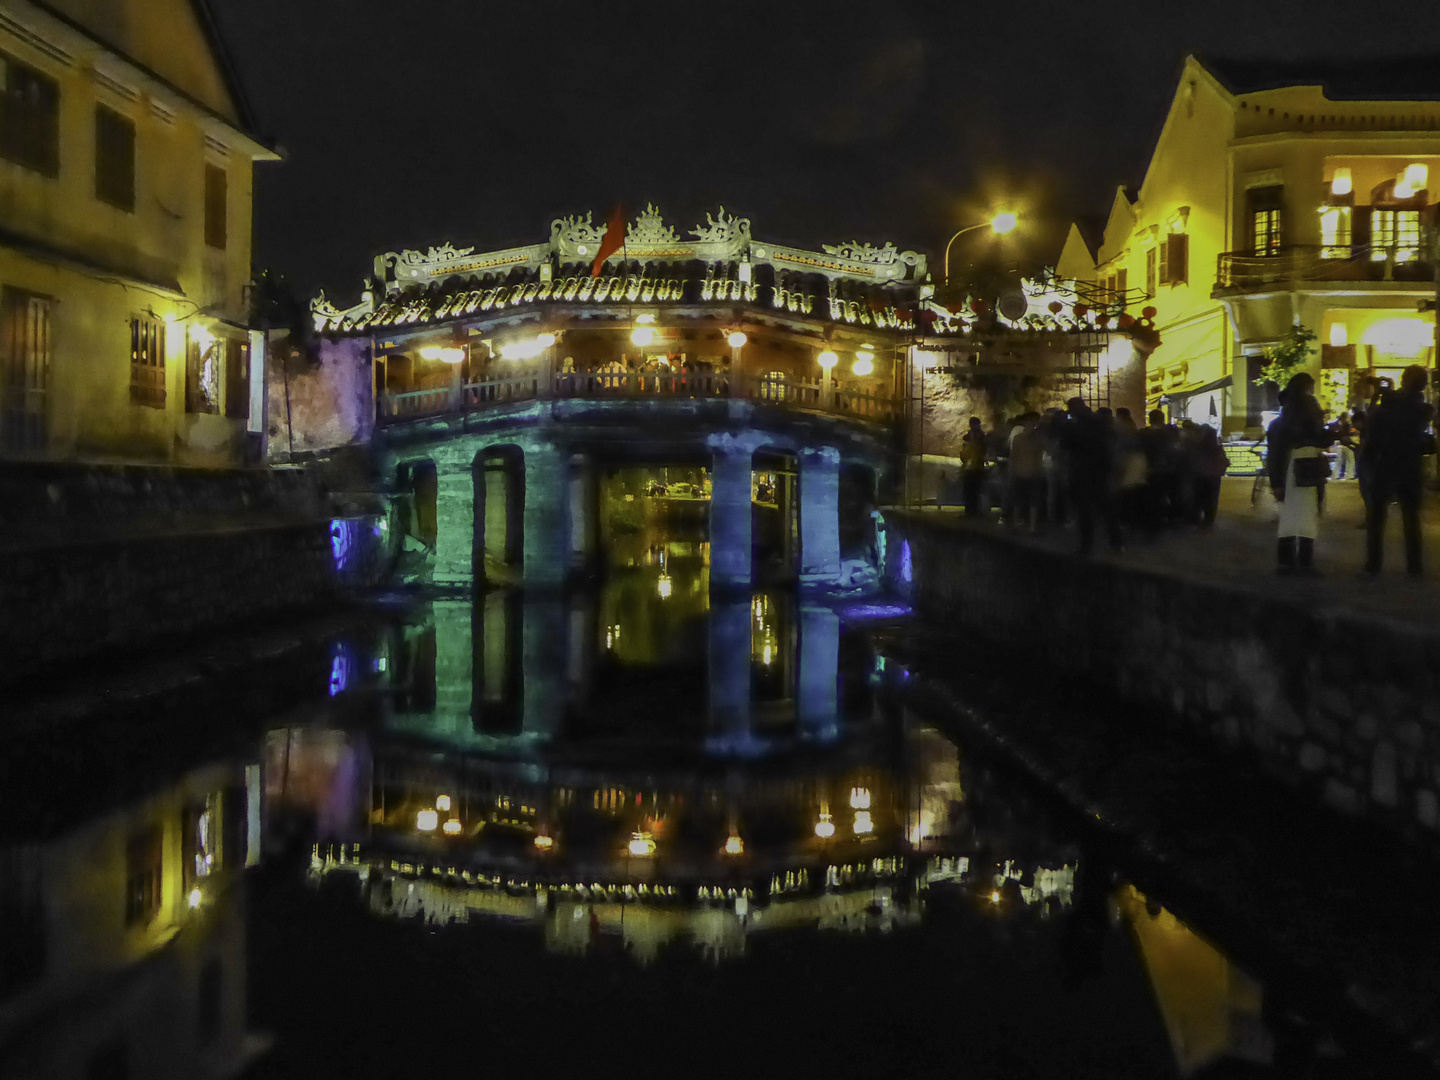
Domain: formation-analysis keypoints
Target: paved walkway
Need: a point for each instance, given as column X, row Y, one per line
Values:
column 1240, row 552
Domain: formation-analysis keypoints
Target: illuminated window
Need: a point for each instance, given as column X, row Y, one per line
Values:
column 29, row 117
column 24, row 368
column 202, row 375
column 142, row 877
column 1394, row 234
column 1335, row 232
column 147, row 361
column 1265, row 229
column 200, row 842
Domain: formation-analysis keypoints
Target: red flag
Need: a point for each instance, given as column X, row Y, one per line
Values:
column 612, row 242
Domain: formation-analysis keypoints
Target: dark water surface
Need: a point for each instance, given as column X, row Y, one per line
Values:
column 641, row 832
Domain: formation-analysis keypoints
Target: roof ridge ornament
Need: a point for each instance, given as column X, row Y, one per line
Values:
column 884, row 255
column 722, row 229
column 446, row 250
column 650, row 228
column 577, row 230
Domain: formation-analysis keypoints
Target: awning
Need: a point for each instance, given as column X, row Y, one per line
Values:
column 1181, row 393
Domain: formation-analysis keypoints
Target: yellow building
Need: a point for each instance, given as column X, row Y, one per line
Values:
column 125, row 194
column 123, row 951
column 1277, row 196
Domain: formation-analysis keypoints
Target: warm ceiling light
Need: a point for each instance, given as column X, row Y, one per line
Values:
column 734, row 845
column 1417, row 177
column 544, row 843
column 426, row 820
column 1341, row 183
column 525, row 350
column 195, row 897
column 545, row 340
column 449, row 354
column 863, row 823
column 452, row 827
column 859, row 798
column 442, row 802
column 864, row 362
column 1003, row 223
column 828, row 359
column 641, row 845
column 737, row 339
column 645, row 320
column 825, row 828
column 1339, row 335
column 642, row 335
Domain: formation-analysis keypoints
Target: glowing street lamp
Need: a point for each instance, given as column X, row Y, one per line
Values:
column 737, row 339
column 734, row 845
column 827, row 359
column 1000, row 224
column 446, row 354
column 864, row 362
column 642, row 845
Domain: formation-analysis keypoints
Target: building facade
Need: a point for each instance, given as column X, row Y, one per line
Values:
column 1276, row 198
column 126, row 152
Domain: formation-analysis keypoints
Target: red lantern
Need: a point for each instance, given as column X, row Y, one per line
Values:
column 977, row 306
column 1148, row 312
column 1056, row 307
column 1081, row 310
column 1104, row 319
column 1125, row 321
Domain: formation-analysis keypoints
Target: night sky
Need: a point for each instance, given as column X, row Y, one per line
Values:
column 410, row 124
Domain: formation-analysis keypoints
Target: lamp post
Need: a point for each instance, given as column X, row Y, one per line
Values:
column 1000, row 224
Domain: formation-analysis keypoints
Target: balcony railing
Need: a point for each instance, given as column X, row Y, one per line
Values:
column 1245, row 270
column 636, row 386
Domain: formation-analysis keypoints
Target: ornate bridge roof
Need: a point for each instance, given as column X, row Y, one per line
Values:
column 719, row 262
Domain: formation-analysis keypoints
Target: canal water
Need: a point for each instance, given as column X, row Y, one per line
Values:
column 641, row 831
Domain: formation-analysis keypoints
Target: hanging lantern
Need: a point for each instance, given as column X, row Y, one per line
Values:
column 977, row 306
column 1125, row 321
column 1148, row 312
column 1056, row 307
column 1081, row 310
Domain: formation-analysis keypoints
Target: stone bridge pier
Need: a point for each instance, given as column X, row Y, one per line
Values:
column 516, row 500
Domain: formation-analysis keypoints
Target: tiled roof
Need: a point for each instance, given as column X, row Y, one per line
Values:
column 803, row 294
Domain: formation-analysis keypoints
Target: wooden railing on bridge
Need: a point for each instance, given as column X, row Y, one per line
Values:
column 635, row 385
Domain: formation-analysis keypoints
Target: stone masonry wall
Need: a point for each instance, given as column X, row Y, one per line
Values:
column 1345, row 705
column 116, row 561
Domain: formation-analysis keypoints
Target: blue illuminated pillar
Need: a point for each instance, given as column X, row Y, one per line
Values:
column 730, row 674
column 730, row 539
column 820, row 517
column 547, row 517
column 454, row 527
column 817, row 692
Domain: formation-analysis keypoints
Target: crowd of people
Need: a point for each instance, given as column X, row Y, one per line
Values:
column 1384, row 441
column 1102, row 470
column 1095, row 466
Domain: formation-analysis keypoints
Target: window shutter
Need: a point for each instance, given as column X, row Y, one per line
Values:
column 1122, row 283
column 1179, row 258
column 1165, row 262
column 237, row 379
column 1150, row 278
column 216, row 190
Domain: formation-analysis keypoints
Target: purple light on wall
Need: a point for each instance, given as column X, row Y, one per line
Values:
column 342, row 541
column 342, row 668
column 907, row 567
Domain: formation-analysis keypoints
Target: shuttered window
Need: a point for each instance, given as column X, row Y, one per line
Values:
column 29, row 117
column 237, row 378
column 114, row 159
column 216, row 193
column 147, row 361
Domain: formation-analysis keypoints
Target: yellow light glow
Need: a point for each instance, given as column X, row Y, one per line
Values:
column 825, row 828
column 442, row 803
column 734, row 845
column 665, row 586
column 859, row 798
column 827, row 359
column 1003, row 223
column 1341, row 183
column 994, row 898
column 544, row 843
column 426, row 821
column 1339, row 334
column 642, row 335
column 195, row 897
column 452, row 827
column 642, row 845
column 545, row 340
column 169, row 316
column 863, row 823
column 1401, row 337
column 1417, row 177
column 202, row 337
column 645, row 320
column 864, row 362
column 737, row 339
column 768, row 655
column 522, row 350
